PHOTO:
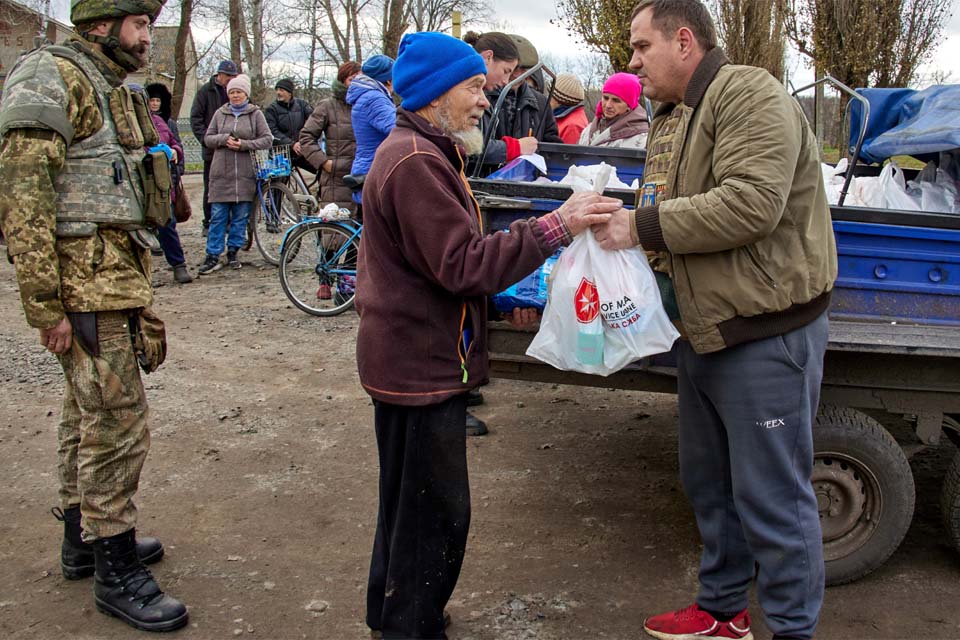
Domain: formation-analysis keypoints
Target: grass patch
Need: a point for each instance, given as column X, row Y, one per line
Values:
column 831, row 155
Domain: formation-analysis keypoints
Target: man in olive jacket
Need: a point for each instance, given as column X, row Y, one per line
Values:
column 744, row 229
column 426, row 269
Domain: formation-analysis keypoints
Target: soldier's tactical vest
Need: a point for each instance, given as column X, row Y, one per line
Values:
column 101, row 183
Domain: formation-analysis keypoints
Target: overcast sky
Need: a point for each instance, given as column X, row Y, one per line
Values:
column 531, row 18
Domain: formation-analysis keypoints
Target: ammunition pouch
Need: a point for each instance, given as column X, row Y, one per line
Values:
column 157, row 182
column 131, row 116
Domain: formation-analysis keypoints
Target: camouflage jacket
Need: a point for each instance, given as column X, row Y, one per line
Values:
column 103, row 272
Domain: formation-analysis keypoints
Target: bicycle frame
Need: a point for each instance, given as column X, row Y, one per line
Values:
column 349, row 225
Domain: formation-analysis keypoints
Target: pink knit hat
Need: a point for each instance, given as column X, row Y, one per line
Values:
column 625, row 86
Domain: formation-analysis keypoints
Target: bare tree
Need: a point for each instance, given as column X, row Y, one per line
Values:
column 330, row 34
column 753, row 32
column 235, row 18
column 253, row 48
column 180, row 55
column 867, row 43
column 396, row 19
column 435, row 15
column 603, row 25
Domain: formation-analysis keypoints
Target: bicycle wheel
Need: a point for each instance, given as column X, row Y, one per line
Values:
column 277, row 212
column 318, row 267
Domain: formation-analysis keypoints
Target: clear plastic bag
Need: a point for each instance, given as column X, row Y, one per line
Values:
column 603, row 310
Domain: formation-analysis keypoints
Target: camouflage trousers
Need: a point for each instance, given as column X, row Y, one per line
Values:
column 103, row 437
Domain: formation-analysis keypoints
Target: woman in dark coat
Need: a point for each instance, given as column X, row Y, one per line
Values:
column 327, row 142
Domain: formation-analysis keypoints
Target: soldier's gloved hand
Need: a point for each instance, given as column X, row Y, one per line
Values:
column 58, row 338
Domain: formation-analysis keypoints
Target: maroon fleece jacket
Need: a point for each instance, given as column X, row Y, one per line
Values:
column 426, row 268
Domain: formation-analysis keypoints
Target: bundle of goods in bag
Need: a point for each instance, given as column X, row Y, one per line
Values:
column 528, row 293
column 603, row 311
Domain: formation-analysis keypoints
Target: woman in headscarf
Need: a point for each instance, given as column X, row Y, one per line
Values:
column 158, row 100
column 621, row 118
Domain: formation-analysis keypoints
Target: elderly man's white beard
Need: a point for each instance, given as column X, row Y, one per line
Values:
column 471, row 138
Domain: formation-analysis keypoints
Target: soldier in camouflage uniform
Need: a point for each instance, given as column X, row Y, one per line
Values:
column 74, row 215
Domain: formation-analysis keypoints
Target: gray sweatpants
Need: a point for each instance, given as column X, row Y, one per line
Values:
column 746, row 455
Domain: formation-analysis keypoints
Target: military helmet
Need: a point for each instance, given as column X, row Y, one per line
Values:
column 89, row 10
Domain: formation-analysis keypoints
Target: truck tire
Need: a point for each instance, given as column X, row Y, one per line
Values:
column 864, row 490
column 950, row 501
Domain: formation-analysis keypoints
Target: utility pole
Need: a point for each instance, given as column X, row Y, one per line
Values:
column 457, row 18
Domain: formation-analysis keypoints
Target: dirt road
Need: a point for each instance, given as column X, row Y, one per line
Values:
column 261, row 482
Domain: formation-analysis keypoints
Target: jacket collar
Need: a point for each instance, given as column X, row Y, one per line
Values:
column 422, row 126
column 250, row 107
column 703, row 75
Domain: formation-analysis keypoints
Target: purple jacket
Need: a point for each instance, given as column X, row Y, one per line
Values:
column 426, row 269
column 167, row 137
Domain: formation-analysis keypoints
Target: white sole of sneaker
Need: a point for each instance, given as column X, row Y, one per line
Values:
column 687, row 636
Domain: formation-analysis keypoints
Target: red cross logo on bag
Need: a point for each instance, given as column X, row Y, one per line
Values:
column 586, row 302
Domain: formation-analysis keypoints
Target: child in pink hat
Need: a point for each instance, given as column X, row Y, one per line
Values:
column 621, row 120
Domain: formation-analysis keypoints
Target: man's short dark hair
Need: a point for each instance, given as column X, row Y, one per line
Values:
column 670, row 15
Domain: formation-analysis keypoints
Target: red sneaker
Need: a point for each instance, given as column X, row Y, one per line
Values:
column 694, row 623
column 323, row 292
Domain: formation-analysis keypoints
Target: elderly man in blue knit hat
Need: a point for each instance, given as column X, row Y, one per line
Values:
column 426, row 270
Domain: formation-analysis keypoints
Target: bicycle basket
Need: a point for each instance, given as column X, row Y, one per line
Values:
column 272, row 163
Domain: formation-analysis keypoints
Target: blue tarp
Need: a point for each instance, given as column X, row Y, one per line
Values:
column 907, row 122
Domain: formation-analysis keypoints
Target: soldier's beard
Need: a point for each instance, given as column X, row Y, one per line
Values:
column 132, row 57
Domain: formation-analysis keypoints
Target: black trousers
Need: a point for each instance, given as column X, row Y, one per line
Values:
column 423, row 518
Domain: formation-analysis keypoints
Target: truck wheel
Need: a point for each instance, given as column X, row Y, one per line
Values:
column 864, row 490
column 950, row 501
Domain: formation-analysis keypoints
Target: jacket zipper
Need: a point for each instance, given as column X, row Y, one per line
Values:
column 463, row 306
column 236, row 164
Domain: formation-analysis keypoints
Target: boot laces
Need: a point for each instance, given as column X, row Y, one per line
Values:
column 136, row 579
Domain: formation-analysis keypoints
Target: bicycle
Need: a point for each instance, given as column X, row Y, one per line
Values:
column 278, row 206
column 318, row 264
column 318, row 260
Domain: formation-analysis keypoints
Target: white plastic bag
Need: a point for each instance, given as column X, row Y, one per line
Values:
column 603, row 310
column 895, row 194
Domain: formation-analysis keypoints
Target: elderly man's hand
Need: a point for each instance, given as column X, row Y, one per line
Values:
column 615, row 233
column 585, row 209
column 523, row 318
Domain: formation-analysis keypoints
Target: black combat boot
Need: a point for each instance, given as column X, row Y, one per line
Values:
column 76, row 556
column 125, row 589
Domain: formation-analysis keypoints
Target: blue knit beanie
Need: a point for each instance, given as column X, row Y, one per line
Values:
column 430, row 64
column 379, row 67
